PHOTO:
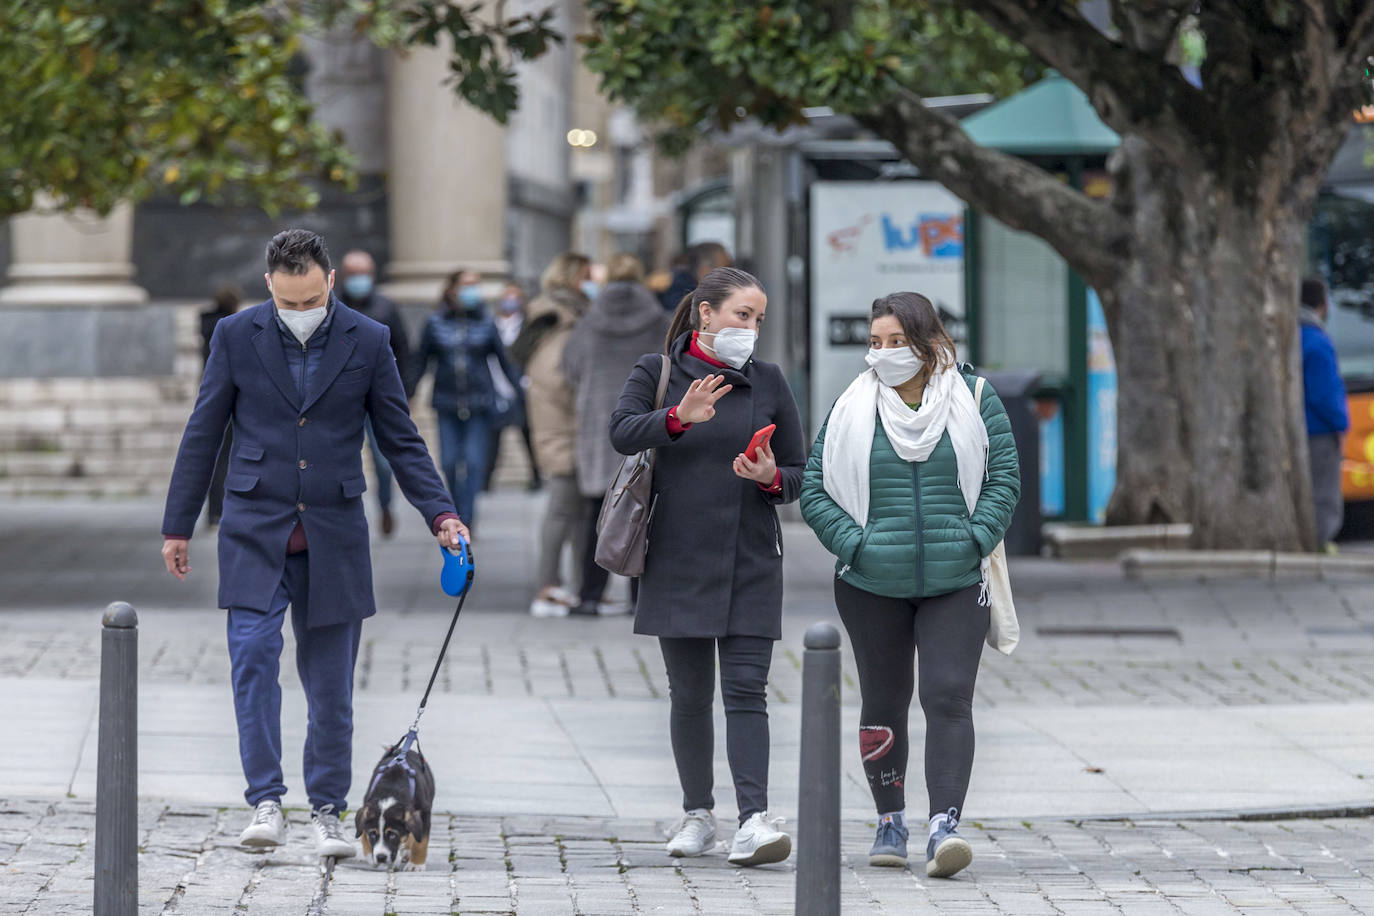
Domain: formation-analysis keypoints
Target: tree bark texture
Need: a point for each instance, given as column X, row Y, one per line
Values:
column 1203, row 323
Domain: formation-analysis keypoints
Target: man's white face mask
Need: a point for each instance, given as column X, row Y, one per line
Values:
column 302, row 323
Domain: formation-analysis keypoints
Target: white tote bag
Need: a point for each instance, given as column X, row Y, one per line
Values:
column 1003, row 630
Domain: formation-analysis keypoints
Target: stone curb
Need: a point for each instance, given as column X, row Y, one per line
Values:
column 1095, row 542
column 1308, row 812
column 1229, row 564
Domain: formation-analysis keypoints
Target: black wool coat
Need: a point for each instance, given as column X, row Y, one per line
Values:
column 714, row 564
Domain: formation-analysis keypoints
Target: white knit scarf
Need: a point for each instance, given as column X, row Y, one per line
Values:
column 947, row 404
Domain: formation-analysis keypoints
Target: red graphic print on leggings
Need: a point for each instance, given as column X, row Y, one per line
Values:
column 874, row 743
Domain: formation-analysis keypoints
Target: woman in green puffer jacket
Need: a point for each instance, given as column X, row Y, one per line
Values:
column 911, row 484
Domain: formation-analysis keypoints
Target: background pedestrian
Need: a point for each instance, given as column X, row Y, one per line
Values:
column 1326, row 409
column 695, row 263
column 358, row 277
column 457, row 340
column 712, row 582
column 622, row 324
column 510, row 319
column 906, row 441
column 226, row 302
column 549, row 405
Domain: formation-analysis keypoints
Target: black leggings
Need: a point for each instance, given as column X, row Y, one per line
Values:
column 744, row 663
column 946, row 634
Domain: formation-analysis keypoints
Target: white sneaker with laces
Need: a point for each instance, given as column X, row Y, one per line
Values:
column 330, row 839
column 760, row 842
column 695, row 834
column 268, row 827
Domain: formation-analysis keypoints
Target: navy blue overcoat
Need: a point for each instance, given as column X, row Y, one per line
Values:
column 298, row 458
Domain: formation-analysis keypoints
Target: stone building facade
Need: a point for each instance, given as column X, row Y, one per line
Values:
column 99, row 348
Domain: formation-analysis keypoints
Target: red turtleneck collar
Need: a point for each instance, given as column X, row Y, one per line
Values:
column 695, row 349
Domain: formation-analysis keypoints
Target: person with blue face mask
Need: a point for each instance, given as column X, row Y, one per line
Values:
column 457, row 341
column 358, row 291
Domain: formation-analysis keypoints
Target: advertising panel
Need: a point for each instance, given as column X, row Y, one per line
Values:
column 869, row 239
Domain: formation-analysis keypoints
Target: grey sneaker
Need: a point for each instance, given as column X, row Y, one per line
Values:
column 947, row 853
column 330, row 839
column 695, row 834
column 268, row 827
column 890, row 846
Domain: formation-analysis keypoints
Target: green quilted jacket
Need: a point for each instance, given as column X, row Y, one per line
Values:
column 920, row 539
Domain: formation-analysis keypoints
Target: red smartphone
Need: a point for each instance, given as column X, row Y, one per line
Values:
column 759, row 441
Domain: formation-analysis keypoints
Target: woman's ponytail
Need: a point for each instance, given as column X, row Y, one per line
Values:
column 714, row 288
column 684, row 320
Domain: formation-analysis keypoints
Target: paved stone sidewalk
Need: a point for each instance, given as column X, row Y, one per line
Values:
column 190, row 864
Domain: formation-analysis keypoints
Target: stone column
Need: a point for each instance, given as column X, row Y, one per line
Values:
column 72, row 259
column 446, row 181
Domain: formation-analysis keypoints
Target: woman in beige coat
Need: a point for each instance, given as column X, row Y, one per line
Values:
column 549, row 404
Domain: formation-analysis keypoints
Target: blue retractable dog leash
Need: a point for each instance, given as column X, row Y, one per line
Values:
column 456, row 580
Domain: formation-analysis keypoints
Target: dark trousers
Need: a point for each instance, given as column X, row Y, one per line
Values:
column 1324, row 456
column 325, row 657
column 594, row 578
column 494, row 451
column 945, row 633
column 691, row 666
column 383, row 468
column 214, row 500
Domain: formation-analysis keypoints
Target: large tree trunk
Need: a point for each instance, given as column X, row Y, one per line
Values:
column 1203, row 322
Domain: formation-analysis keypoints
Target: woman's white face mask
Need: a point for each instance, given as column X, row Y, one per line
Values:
column 894, row 365
column 732, row 346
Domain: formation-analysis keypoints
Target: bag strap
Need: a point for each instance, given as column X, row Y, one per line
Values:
column 978, row 392
column 662, row 384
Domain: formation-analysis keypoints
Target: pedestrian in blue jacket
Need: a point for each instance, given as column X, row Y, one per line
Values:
column 1328, row 416
column 297, row 376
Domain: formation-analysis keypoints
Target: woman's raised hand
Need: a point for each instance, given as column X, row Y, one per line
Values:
column 699, row 403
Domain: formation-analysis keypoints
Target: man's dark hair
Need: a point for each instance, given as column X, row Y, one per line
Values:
column 292, row 251
column 1313, row 293
column 706, row 254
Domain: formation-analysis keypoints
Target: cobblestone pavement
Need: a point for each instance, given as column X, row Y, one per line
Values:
column 190, row 864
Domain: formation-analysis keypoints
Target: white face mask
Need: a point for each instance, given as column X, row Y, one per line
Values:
column 894, row 365
column 732, row 346
column 303, row 324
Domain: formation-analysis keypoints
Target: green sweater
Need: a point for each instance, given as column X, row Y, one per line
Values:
column 920, row 539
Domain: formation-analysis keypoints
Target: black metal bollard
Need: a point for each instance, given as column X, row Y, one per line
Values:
column 818, row 807
column 116, row 783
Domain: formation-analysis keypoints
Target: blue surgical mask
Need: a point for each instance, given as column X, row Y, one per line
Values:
column 510, row 305
column 470, row 296
column 358, row 286
column 591, row 289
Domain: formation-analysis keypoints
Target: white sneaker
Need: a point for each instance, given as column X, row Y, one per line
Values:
column 695, row 834
column 614, row 608
column 544, row 607
column 760, row 842
column 330, row 839
column 268, row 827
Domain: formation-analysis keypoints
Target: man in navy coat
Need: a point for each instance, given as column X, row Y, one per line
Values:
column 297, row 376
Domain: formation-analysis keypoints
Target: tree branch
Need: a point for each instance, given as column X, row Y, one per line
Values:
column 1133, row 91
column 1359, row 35
column 1088, row 234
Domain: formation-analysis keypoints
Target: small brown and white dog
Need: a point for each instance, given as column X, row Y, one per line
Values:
column 394, row 819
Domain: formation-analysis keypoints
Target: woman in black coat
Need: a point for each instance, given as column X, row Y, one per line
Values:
column 712, row 581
